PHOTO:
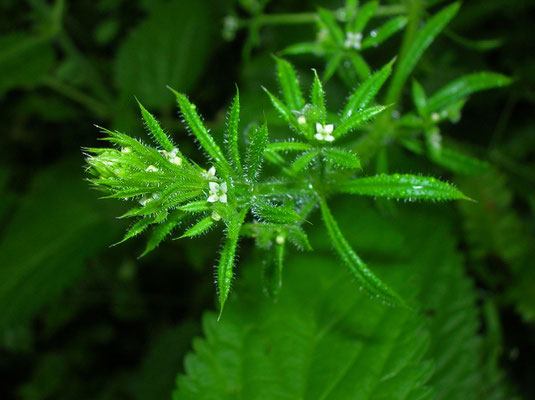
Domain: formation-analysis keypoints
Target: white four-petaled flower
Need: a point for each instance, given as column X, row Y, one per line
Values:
column 218, row 192
column 323, row 132
column 210, row 174
column 353, row 40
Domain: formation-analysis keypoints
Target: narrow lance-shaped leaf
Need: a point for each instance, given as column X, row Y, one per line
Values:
column 289, row 85
column 287, row 146
column 358, row 268
column 332, row 65
column 226, row 261
column 233, row 120
column 304, row 160
column 422, row 40
column 199, row 130
column 277, row 215
column 199, row 228
column 342, row 158
column 379, row 35
column 465, row 86
column 328, row 21
column 255, row 152
column 161, row 231
column 273, row 269
column 155, row 129
column 195, row 206
column 367, row 91
column 357, row 120
column 361, row 66
column 299, row 238
column 402, row 186
column 364, row 14
column 317, row 97
column 301, row 48
column 283, row 110
column 136, row 229
column 419, row 98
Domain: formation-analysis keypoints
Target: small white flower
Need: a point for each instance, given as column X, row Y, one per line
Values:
column 301, row 120
column 323, row 132
column 435, row 117
column 353, row 40
column 210, row 175
column 151, row 168
column 126, row 150
column 280, row 239
column 218, row 192
column 172, row 156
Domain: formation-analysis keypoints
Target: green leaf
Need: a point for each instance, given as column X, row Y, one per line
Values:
column 202, row 226
column 299, row 238
column 226, row 261
column 322, row 339
column 422, row 40
column 302, row 48
column 364, row 14
column 328, row 21
column 155, row 129
column 137, row 228
column 385, row 31
column 195, row 206
column 361, row 66
column 302, row 161
column 284, row 111
column 273, row 214
column 357, row 120
column 367, row 91
column 419, row 98
column 170, row 47
column 465, row 86
column 194, row 123
column 317, row 97
column 451, row 159
column 161, row 231
column 255, row 152
column 289, row 85
column 56, row 228
column 273, row 270
column 24, row 60
column 358, row 268
column 402, row 186
column 287, row 146
column 342, row 158
column 232, row 132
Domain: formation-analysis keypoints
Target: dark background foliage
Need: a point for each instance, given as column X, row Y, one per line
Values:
column 82, row 320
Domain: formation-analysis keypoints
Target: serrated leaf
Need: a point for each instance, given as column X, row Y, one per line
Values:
column 155, row 129
column 275, row 214
column 358, row 268
column 232, row 132
column 302, row 161
column 357, row 120
column 24, row 60
column 328, row 21
column 202, row 226
column 419, row 98
column 289, row 85
column 317, row 97
column 287, row 146
column 226, row 261
column 385, row 31
column 255, row 152
column 299, row 238
column 161, row 231
column 367, row 91
column 465, row 86
column 421, row 41
column 402, row 186
column 152, row 57
column 196, row 126
column 342, row 158
column 364, row 14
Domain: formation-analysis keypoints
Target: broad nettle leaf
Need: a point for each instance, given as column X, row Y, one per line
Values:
column 169, row 48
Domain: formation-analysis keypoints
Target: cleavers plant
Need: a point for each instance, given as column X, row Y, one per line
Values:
column 320, row 158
